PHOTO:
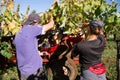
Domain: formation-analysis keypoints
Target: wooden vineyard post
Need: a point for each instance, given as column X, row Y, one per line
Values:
column 118, row 58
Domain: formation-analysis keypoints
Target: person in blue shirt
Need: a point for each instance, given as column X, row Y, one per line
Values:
column 29, row 61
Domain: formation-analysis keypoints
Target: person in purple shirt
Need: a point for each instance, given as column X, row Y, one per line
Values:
column 29, row 61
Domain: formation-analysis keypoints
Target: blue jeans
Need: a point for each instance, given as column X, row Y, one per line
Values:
column 88, row 75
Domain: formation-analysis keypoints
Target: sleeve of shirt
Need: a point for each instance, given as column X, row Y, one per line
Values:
column 102, row 39
column 37, row 30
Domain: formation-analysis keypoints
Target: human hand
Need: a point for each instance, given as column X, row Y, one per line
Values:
column 85, row 25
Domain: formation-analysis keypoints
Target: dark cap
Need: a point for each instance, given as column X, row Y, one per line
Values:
column 32, row 18
column 96, row 24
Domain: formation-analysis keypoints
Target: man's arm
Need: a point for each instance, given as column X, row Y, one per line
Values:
column 49, row 25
